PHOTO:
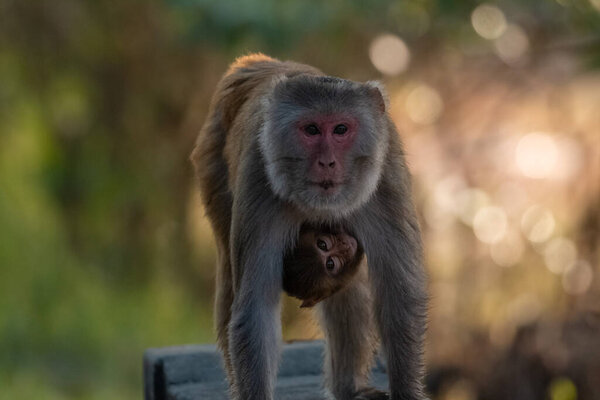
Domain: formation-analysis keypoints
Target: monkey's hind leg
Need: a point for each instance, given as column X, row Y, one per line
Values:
column 347, row 321
column 223, row 302
column 211, row 172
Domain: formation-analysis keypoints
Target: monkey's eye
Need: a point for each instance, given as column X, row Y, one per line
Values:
column 321, row 244
column 330, row 265
column 340, row 129
column 311, row 129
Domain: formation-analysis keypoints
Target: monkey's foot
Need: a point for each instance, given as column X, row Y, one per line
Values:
column 370, row 394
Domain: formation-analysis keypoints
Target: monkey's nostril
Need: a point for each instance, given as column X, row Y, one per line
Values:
column 329, row 164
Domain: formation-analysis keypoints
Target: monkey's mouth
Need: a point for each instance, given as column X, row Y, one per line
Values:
column 326, row 185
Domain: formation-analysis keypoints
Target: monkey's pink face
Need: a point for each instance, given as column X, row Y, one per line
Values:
column 327, row 139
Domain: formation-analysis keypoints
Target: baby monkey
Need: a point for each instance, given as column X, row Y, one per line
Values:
column 324, row 261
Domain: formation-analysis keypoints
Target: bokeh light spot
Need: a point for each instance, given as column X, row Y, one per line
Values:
column 389, row 54
column 460, row 390
column 536, row 155
column 468, row 202
column 559, row 254
column 440, row 208
column 507, row 251
column 562, row 389
column 537, row 224
column 577, row 278
column 488, row 21
column 512, row 45
column 570, row 159
column 490, row 224
column 424, row 105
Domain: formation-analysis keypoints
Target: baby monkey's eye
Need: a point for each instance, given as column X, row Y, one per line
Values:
column 311, row 129
column 321, row 244
column 340, row 129
column 330, row 265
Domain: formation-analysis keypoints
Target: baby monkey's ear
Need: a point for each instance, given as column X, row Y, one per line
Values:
column 309, row 303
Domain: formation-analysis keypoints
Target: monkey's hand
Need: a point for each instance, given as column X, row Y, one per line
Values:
column 369, row 393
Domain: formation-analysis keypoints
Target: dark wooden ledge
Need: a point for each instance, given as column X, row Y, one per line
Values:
column 195, row 372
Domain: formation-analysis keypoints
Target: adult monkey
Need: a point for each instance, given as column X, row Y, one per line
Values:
column 285, row 145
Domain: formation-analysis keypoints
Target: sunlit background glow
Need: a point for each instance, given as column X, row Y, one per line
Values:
column 537, row 223
column 508, row 250
column 512, row 45
column 488, row 21
column 559, row 254
column 577, row 277
column 490, row 224
column 389, row 54
column 523, row 166
column 469, row 202
column 424, row 105
column 536, row 155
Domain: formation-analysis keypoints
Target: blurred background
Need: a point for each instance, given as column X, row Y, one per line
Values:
column 104, row 248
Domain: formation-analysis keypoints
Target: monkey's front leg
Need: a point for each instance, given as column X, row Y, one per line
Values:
column 392, row 243
column 259, row 237
column 347, row 321
column 255, row 328
column 400, row 308
column 254, row 334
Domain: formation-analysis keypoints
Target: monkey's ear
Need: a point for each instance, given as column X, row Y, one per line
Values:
column 378, row 94
column 276, row 81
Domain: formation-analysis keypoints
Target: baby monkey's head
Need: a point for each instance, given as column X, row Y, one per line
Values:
column 323, row 262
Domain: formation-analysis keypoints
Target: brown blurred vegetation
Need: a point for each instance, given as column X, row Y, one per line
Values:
column 104, row 250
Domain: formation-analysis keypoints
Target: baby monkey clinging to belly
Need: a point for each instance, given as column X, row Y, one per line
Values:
column 324, row 261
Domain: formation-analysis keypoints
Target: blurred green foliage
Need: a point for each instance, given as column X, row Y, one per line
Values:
column 100, row 102
column 563, row 389
column 72, row 325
